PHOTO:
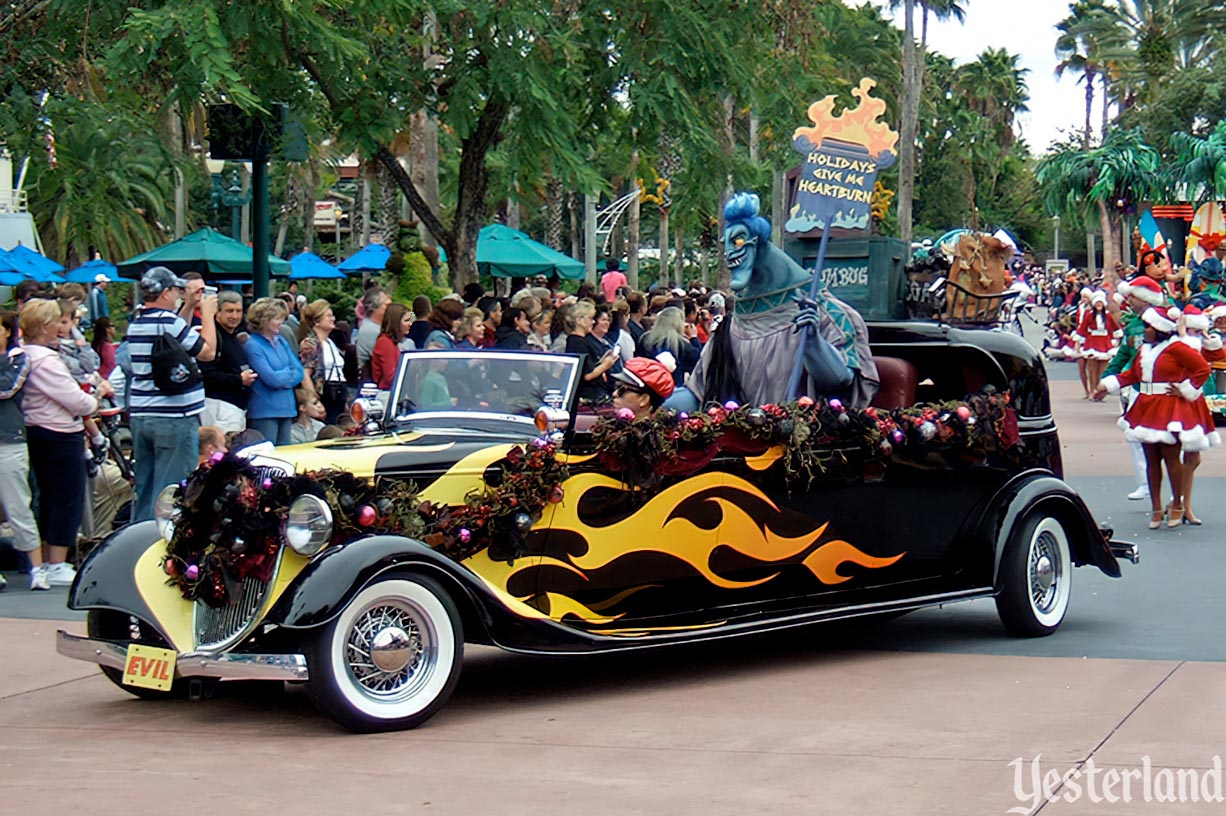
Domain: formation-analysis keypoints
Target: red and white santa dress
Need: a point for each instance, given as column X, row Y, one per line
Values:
column 1159, row 417
column 1098, row 333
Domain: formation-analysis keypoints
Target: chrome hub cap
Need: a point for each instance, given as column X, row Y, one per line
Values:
column 1045, row 572
column 390, row 650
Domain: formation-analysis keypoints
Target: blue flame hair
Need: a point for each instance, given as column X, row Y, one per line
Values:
column 743, row 208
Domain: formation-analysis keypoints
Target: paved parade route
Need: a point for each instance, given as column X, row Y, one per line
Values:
column 921, row 715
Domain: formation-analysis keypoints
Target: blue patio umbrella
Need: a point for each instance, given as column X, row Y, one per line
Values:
column 89, row 272
column 33, row 265
column 370, row 258
column 309, row 266
column 9, row 274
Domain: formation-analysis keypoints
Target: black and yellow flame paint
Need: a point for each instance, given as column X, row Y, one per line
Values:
column 606, row 558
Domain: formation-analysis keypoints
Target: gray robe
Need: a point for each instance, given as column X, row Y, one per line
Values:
column 765, row 347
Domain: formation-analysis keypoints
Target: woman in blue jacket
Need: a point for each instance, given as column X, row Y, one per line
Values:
column 272, row 407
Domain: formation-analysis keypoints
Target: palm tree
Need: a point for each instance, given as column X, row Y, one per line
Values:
column 1080, row 181
column 1079, row 50
column 994, row 86
column 1154, row 38
column 1199, row 168
column 108, row 191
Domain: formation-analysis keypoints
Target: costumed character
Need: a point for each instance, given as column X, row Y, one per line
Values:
column 1208, row 283
column 749, row 358
column 1136, row 295
column 1169, row 415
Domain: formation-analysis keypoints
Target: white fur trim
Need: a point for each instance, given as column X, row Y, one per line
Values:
column 1156, row 319
column 1148, row 355
column 1112, row 384
column 1211, row 342
column 1090, row 354
column 1193, row 340
column 1118, row 299
column 1196, row 322
column 667, row 359
column 1147, row 295
column 1077, row 338
column 1188, row 391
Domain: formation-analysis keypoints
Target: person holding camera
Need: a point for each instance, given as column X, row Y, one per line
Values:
column 166, row 392
column 595, row 387
column 228, row 376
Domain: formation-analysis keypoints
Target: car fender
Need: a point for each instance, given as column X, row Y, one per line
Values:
column 331, row 580
column 106, row 579
column 1036, row 490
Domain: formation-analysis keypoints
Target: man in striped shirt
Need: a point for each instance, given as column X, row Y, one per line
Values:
column 165, row 426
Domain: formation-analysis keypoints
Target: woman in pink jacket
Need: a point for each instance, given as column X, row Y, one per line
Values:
column 53, row 406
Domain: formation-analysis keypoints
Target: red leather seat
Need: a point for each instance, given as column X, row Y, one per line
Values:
column 898, row 383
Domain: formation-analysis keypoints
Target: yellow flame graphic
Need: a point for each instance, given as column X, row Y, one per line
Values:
column 858, row 125
column 824, row 562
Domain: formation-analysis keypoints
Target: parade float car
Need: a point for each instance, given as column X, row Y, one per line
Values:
column 478, row 507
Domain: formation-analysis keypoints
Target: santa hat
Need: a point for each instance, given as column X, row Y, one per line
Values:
column 1194, row 318
column 1087, row 292
column 1099, row 297
column 1143, row 288
column 1217, row 311
column 1162, row 321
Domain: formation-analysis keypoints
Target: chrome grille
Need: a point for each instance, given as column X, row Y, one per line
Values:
column 266, row 472
column 216, row 626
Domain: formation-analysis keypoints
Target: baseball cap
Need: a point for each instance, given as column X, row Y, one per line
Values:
column 157, row 280
column 647, row 375
column 101, row 278
column 716, row 300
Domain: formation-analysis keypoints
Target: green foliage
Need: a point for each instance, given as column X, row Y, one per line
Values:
column 1075, row 179
column 415, row 280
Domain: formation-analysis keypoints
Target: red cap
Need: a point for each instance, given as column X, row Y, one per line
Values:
column 647, row 375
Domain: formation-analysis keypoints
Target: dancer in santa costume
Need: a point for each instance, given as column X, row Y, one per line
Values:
column 1169, row 415
column 1098, row 335
column 1136, row 296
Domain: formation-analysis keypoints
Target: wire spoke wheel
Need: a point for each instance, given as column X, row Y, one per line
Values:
column 391, row 650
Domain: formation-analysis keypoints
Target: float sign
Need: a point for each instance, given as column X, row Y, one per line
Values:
column 842, row 156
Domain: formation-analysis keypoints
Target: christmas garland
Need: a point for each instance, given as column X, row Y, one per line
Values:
column 817, row 436
column 229, row 524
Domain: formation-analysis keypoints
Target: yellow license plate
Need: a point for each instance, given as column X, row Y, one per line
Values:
column 149, row 667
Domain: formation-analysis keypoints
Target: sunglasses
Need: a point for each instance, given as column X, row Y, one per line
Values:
column 622, row 390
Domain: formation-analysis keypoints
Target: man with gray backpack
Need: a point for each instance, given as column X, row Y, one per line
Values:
column 166, row 392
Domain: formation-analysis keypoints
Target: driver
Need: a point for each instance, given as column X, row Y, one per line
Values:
column 642, row 386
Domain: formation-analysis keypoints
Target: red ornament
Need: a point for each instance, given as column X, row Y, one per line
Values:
column 963, row 413
column 805, row 402
column 171, row 568
column 367, row 515
column 556, row 495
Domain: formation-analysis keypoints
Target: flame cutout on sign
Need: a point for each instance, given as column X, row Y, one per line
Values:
column 857, row 126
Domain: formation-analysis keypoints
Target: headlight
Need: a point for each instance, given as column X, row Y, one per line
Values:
column 308, row 526
column 165, row 513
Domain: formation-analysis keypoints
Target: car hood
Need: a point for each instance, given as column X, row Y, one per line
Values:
column 424, row 452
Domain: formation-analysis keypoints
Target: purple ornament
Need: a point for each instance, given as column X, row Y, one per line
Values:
column 836, row 404
column 367, row 515
column 267, row 483
column 539, row 442
column 731, row 405
column 465, row 535
column 625, row 414
column 897, row 436
column 192, row 572
column 217, row 456
column 683, row 416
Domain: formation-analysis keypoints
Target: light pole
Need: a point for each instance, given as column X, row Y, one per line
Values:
column 1055, row 223
column 232, row 196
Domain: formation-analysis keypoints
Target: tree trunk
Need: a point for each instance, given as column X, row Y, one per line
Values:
column 1106, row 103
column 664, row 247
column 389, row 208
column 1109, row 245
column 633, row 237
column 572, row 206
column 1089, row 78
column 910, row 115
column 679, row 260
column 555, row 201
column 309, row 205
column 1091, row 260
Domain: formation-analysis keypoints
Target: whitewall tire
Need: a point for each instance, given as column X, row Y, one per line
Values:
column 390, row 659
column 1034, row 578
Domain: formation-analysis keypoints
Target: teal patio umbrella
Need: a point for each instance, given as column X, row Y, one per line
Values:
column 206, row 251
column 508, row 253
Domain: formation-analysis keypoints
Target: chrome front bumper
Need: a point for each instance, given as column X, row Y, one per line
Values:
column 286, row 667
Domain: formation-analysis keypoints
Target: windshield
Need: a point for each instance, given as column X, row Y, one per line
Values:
column 481, row 382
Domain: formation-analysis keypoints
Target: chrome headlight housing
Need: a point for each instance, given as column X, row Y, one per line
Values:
column 165, row 513
column 308, row 525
